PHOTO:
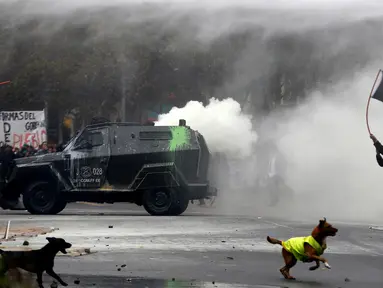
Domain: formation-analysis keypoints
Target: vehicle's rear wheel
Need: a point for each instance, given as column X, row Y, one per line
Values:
column 165, row 201
column 181, row 204
column 41, row 198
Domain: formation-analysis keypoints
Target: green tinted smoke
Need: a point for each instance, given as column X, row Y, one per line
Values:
column 180, row 138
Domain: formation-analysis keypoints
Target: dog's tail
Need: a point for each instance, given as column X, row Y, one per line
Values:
column 273, row 241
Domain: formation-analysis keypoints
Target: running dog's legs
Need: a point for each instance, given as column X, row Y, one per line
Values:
column 290, row 262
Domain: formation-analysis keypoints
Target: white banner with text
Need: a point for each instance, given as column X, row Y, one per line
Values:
column 22, row 127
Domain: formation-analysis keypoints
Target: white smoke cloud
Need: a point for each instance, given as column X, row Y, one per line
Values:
column 331, row 160
column 225, row 127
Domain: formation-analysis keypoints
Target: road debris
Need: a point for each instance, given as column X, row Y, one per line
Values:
column 25, row 243
column 6, row 234
column 25, row 231
column 377, row 228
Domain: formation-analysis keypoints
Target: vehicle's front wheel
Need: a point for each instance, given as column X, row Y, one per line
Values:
column 41, row 198
column 165, row 201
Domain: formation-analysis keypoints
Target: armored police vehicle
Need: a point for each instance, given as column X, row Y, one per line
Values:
column 159, row 167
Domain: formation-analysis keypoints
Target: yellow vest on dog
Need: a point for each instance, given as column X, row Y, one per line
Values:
column 296, row 246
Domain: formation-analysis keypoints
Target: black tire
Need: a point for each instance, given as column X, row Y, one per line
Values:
column 40, row 198
column 181, row 205
column 165, row 202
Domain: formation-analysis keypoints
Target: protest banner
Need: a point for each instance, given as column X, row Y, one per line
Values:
column 22, row 127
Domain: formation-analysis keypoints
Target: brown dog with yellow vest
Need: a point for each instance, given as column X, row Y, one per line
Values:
column 306, row 249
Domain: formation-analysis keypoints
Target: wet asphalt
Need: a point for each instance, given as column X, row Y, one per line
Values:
column 200, row 249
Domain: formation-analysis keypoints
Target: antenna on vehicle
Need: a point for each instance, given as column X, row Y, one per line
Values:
column 182, row 122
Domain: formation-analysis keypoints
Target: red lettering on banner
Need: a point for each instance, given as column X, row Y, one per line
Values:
column 17, row 140
column 43, row 135
column 34, row 139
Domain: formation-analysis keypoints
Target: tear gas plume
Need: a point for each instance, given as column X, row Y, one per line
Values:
column 221, row 122
column 331, row 161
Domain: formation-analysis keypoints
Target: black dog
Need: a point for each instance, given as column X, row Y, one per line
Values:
column 36, row 261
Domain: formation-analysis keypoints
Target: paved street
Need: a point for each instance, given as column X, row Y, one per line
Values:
column 194, row 250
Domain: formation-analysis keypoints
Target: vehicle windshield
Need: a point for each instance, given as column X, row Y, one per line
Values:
column 70, row 140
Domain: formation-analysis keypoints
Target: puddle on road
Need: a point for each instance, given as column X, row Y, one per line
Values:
column 156, row 283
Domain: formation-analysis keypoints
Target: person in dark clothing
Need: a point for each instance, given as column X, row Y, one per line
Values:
column 2, row 174
column 43, row 149
column 17, row 153
column 8, row 158
column 379, row 150
column 24, row 150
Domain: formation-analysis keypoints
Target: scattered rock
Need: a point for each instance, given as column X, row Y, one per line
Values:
column 230, row 258
column 119, row 269
column 129, row 280
column 107, row 245
column 223, row 241
column 54, row 285
column 173, row 279
column 233, row 247
column 110, row 226
column 77, row 281
column 346, row 280
column 87, row 250
column 123, row 265
column 25, row 243
column 213, row 282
